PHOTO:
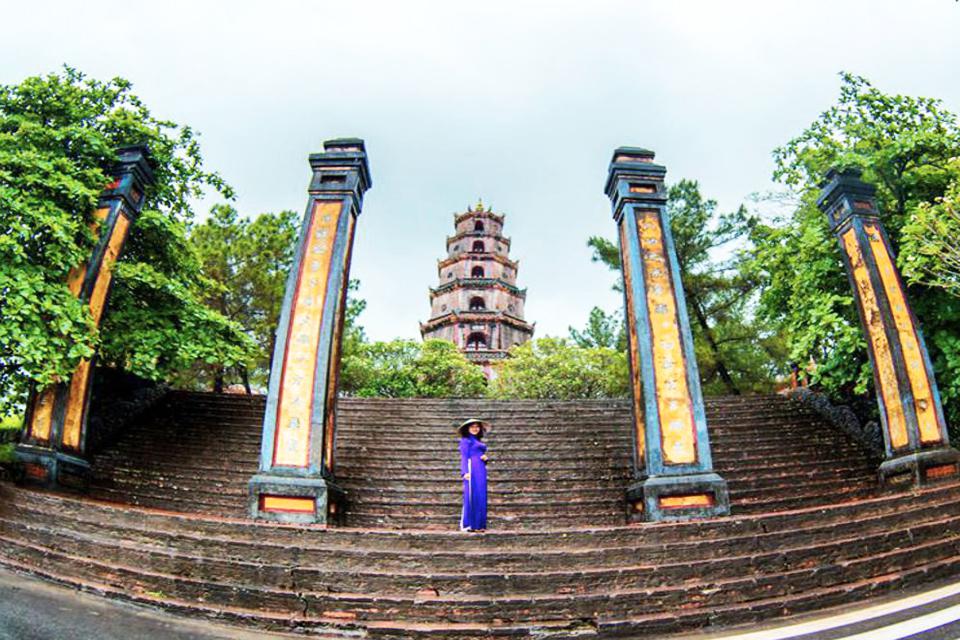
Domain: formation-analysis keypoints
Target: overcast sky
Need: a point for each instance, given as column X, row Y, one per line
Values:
column 520, row 103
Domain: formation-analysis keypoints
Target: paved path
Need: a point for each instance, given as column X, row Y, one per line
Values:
column 31, row 609
column 931, row 614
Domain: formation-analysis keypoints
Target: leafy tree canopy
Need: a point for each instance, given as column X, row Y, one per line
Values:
column 556, row 368
column 907, row 147
column 408, row 369
column 58, row 136
column 247, row 261
column 602, row 330
column 931, row 240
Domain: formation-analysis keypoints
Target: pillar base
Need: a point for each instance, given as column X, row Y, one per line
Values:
column 293, row 499
column 920, row 468
column 51, row 469
column 682, row 497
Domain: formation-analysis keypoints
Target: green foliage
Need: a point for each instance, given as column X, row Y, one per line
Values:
column 930, row 250
column 11, row 422
column 9, row 426
column 602, row 330
column 354, row 336
column 907, row 146
column 407, row 369
column 58, row 136
column 556, row 368
column 608, row 253
column 158, row 325
column 735, row 352
column 247, row 262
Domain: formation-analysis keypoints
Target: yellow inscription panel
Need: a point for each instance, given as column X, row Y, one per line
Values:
column 889, row 388
column 76, row 275
column 102, row 284
column 635, row 367
column 41, row 422
column 76, row 399
column 283, row 503
column 292, row 439
column 684, row 501
column 678, row 431
column 78, row 393
column 910, row 345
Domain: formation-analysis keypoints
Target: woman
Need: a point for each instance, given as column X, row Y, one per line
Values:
column 473, row 471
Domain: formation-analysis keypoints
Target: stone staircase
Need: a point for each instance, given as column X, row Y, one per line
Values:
column 553, row 463
column 807, row 529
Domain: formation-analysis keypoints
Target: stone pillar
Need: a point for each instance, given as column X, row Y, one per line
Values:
column 672, row 461
column 53, row 444
column 914, row 430
column 296, row 481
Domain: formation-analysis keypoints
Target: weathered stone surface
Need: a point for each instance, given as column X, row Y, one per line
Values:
column 808, row 528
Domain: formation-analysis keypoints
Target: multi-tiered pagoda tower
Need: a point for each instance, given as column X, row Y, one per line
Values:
column 478, row 306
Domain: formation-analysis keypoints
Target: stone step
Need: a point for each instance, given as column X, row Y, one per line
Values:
column 608, row 627
column 622, row 438
column 848, row 514
column 229, row 504
column 350, row 471
column 485, row 608
column 481, row 557
column 464, row 578
column 509, row 489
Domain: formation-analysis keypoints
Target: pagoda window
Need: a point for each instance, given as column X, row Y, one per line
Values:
column 477, row 304
column 476, row 272
column 478, row 246
column 478, row 225
column 476, row 341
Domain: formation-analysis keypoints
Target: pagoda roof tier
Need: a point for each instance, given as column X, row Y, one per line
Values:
column 478, row 283
column 478, row 213
column 458, row 316
column 476, row 234
column 470, row 255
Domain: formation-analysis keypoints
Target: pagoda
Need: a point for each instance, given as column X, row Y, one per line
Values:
column 478, row 305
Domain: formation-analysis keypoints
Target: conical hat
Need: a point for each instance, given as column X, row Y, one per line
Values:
column 462, row 427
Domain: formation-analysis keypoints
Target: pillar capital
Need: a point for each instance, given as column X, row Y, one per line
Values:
column 341, row 169
column 633, row 177
column 132, row 174
column 843, row 194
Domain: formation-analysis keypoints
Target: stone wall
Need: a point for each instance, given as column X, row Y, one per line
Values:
column 865, row 433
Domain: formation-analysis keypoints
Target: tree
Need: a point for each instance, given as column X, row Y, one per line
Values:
column 602, row 330
column 247, row 262
column 407, row 369
column 555, row 368
column 907, row 147
column 930, row 249
column 734, row 352
column 58, row 136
